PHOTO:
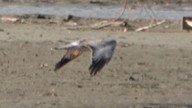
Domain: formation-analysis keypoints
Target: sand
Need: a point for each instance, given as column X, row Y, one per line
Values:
column 149, row 69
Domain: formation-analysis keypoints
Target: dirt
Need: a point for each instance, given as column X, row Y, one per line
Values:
column 149, row 69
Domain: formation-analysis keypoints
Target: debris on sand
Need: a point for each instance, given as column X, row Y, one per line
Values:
column 43, row 65
column 150, row 26
column 50, row 93
column 11, row 19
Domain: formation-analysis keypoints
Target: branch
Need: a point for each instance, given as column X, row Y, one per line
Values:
column 150, row 26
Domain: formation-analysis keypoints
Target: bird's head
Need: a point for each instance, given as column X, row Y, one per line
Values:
column 82, row 41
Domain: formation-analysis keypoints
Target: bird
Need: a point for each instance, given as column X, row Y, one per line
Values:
column 101, row 52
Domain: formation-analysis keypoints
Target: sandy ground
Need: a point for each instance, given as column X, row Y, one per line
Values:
column 149, row 69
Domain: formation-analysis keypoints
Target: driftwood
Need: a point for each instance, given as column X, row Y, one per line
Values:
column 9, row 19
column 99, row 25
column 150, row 26
column 189, row 22
column 108, row 23
column 113, row 21
column 103, row 24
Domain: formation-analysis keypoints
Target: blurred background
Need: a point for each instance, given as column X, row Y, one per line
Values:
column 105, row 9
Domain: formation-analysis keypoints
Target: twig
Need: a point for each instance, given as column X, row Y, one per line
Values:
column 116, row 19
column 104, row 24
column 123, row 11
column 150, row 26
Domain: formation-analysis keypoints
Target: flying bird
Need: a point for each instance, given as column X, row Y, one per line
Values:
column 101, row 53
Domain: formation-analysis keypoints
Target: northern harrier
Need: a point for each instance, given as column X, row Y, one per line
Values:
column 101, row 53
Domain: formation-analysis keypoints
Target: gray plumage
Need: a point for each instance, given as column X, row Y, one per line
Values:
column 101, row 53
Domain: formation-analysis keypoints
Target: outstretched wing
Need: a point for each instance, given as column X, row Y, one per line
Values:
column 72, row 45
column 69, row 56
column 101, row 55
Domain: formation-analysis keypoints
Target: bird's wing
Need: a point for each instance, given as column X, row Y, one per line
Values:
column 69, row 56
column 72, row 45
column 101, row 55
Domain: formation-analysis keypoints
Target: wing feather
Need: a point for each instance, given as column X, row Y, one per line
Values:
column 69, row 56
column 101, row 55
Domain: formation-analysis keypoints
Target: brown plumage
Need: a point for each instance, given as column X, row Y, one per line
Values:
column 69, row 56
